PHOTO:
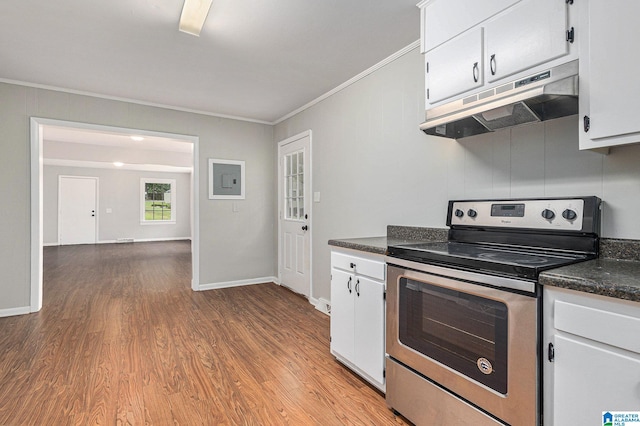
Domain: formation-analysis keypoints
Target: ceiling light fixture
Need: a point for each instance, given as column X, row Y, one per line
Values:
column 194, row 13
column 118, row 163
column 137, row 138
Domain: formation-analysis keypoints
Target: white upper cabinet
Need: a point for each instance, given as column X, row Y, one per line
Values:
column 455, row 67
column 609, row 63
column 470, row 48
column 442, row 20
column 531, row 33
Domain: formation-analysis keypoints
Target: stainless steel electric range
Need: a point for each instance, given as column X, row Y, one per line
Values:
column 463, row 316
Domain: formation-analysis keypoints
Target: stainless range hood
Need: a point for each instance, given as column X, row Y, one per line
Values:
column 549, row 94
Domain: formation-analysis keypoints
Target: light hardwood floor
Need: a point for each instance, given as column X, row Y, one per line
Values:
column 122, row 339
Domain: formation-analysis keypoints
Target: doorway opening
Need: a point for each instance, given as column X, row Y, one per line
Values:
column 89, row 147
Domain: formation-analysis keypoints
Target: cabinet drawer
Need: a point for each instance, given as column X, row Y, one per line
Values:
column 603, row 326
column 359, row 265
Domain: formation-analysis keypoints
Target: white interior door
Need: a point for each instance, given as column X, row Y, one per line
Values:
column 77, row 209
column 294, row 173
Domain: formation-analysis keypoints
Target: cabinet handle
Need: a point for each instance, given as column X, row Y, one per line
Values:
column 587, row 123
column 571, row 35
column 358, row 287
column 476, row 72
column 352, row 265
column 492, row 64
column 349, row 285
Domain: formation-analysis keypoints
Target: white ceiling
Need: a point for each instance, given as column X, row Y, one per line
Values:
column 255, row 59
column 120, row 139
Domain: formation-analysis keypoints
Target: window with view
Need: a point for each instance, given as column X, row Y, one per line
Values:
column 157, row 201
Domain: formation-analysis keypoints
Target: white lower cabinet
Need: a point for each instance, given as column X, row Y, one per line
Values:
column 592, row 357
column 357, row 313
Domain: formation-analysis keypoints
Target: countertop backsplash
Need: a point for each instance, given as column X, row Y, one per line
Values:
column 417, row 233
column 612, row 248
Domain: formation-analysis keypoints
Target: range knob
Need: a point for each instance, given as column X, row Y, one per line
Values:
column 472, row 213
column 459, row 213
column 569, row 214
column 548, row 214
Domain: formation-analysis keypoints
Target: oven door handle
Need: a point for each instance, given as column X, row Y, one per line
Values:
column 459, row 274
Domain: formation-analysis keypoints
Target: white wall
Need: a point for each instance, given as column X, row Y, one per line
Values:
column 119, row 190
column 233, row 246
column 374, row 167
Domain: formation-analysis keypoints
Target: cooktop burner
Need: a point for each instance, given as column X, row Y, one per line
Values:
column 517, row 258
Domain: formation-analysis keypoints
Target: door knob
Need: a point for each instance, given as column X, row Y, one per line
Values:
column 305, row 227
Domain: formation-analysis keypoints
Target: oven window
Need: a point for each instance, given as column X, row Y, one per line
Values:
column 465, row 332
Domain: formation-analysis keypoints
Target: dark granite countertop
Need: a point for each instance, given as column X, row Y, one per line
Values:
column 377, row 245
column 615, row 278
column 395, row 235
column 615, row 274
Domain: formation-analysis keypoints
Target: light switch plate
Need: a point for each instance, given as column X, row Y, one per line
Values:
column 109, row 210
column 316, row 197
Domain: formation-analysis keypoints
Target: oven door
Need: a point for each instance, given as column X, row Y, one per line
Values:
column 478, row 342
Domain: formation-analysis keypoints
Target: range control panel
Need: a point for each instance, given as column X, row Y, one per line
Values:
column 561, row 214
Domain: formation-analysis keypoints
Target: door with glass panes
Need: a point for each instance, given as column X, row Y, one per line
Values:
column 294, row 192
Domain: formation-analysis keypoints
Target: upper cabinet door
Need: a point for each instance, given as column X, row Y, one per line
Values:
column 531, row 33
column 609, row 64
column 442, row 20
column 455, row 67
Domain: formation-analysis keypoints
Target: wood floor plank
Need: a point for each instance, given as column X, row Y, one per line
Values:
column 123, row 340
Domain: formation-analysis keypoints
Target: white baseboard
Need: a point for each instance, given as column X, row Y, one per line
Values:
column 323, row 305
column 144, row 240
column 238, row 283
column 136, row 240
column 10, row 312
